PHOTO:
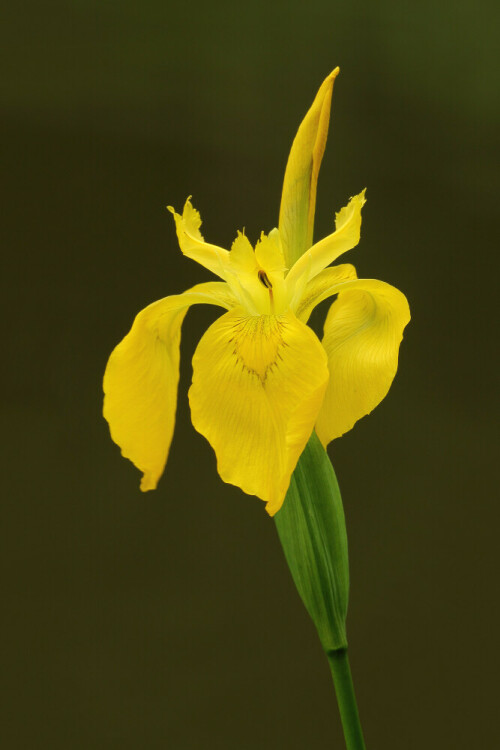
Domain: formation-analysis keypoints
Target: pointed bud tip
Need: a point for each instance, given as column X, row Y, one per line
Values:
column 331, row 78
column 326, row 88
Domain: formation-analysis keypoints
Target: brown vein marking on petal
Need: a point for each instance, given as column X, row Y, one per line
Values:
column 266, row 330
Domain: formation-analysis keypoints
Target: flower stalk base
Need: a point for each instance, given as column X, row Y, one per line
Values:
column 344, row 689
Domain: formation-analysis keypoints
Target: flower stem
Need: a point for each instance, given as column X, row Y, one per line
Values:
column 339, row 664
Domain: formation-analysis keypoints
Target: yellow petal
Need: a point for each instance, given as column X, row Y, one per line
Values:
column 140, row 382
column 298, row 200
column 192, row 244
column 243, row 277
column 327, row 250
column 258, row 385
column 242, row 256
column 269, row 253
column 320, row 288
column 256, row 277
column 363, row 331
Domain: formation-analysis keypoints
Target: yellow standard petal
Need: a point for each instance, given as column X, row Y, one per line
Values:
column 326, row 251
column 258, row 385
column 192, row 244
column 140, row 382
column 298, row 199
column 362, row 334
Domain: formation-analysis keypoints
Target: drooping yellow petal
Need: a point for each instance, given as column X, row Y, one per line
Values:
column 363, row 331
column 192, row 244
column 258, row 384
column 320, row 288
column 327, row 250
column 298, row 199
column 140, row 382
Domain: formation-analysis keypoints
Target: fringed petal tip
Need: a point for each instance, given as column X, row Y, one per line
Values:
column 187, row 205
column 189, row 222
column 353, row 209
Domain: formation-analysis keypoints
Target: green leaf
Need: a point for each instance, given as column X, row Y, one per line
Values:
column 311, row 528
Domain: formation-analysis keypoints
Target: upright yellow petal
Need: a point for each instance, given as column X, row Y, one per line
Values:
column 327, row 250
column 269, row 253
column 257, row 277
column 242, row 256
column 363, row 331
column 298, row 199
column 140, row 382
column 243, row 277
column 258, row 385
column 192, row 244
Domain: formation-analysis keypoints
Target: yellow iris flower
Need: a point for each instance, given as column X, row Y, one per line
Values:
column 262, row 380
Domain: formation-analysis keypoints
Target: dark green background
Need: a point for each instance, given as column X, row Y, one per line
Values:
column 169, row 620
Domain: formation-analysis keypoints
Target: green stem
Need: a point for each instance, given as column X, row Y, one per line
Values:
column 339, row 664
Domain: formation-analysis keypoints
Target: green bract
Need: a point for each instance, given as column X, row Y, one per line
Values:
column 311, row 527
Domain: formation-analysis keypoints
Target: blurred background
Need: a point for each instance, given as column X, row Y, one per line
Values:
column 169, row 620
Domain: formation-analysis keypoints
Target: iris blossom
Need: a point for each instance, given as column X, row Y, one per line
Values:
column 262, row 380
